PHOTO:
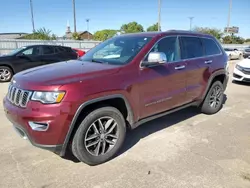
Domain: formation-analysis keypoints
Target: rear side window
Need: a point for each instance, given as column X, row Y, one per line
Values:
column 191, row 47
column 59, row 49
column 211, row 48
column 48, row 50
column 67, row 49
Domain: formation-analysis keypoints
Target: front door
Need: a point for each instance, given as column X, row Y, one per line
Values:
column 28, row 58
column 163, row 86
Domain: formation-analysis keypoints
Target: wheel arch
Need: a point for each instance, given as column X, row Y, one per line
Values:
column 9, row 66
column 98, row 101
column 220, row 75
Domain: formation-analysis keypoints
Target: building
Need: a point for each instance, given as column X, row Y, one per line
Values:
column 12, row 35
column 83, row 35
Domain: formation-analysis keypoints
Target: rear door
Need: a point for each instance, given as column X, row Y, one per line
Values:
column 163, row 86
column 49, row 56
column 197, row 69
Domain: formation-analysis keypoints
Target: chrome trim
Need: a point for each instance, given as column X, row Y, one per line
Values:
column 39, row 126
column 178, row 36
column 18, row 97
column 180, row 67
column 208, row 62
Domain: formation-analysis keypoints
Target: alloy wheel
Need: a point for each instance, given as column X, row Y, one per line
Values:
column 5, row 75
column 215, row 97
column 101, row 136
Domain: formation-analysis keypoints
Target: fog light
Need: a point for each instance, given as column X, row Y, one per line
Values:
column 38, row 126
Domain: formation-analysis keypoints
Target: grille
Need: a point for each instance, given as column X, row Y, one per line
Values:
column 18, row 97
column 246, row 71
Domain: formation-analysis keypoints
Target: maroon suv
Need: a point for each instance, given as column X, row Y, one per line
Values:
column 85, row 106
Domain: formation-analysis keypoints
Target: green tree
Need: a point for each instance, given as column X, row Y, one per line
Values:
column 104, row 34
column 132, row 27
column 211, row 31
column 247, row 40
column 232, row 39
column 41, row 34
column 76, row 36
column 153, row 27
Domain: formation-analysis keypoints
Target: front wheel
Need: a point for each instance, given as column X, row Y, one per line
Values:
column 214, row 99
column 5, row 74
column 99, row 136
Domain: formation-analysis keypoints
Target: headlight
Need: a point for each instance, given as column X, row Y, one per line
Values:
column 239, row 67
column 48, row 97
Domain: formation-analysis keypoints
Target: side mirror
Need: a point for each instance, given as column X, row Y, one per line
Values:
column 20, row 55
column 155, row 58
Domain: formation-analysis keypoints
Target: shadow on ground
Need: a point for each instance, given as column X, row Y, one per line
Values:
column 146, row 129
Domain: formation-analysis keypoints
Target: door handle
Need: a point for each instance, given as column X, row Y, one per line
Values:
column 180, row 67
column 208, row 62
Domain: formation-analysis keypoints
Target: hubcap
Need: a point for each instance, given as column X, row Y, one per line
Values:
column 101, row 136
column 4, row 74
column 215, row 97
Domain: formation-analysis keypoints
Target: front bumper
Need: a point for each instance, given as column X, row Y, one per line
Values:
column 59, row 118
column 240, row 76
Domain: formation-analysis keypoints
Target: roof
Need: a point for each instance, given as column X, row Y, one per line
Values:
column 14, row 33
column 157, row 33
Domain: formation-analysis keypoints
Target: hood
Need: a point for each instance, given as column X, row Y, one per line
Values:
column 5, row 57
column 65, row 72
column 244, row 63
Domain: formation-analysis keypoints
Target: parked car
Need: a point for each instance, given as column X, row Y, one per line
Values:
column 246, row 53
column 233, row 53
column 86, row 107
column 80, row 53
column 32, row 56
column 242, row 71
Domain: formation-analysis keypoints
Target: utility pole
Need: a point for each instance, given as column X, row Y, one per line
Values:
column 190, row 22
column 229, row 15
column 87, row 20
column 74, row 13
column 159, row 15
column 32, row 16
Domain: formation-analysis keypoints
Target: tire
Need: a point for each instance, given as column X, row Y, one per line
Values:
column 209, row 107
column 230, row 57
column 240, row 56
column 5, row 74
column 88, row 130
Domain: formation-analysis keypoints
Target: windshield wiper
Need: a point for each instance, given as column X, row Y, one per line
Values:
column 99, row 61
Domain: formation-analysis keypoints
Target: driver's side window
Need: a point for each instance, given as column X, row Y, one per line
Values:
column 31, row 51
column 169, row 46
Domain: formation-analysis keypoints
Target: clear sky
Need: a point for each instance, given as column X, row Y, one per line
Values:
column 111, row 14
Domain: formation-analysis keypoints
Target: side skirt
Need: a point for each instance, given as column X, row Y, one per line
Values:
column 144, row 120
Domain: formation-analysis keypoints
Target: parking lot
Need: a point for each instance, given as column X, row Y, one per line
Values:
column 184, row 149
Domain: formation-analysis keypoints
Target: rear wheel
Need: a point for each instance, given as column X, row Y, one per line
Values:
column 5, row 74
column 99, row 136
column 214, row 99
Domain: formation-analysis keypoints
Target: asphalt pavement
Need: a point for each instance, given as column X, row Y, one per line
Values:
column 184, row 149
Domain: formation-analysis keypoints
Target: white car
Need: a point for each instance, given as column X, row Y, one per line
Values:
column 242, row 71
column 233, row 53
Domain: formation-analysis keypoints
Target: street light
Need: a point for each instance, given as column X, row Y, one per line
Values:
column 87, row 20
column 32, row 16
column 229, row 15
column 74, row 14
column 159, row 15
column 190, row 22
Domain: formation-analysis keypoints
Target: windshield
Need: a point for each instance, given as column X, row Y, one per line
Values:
column 16, row 51
column 118, row 50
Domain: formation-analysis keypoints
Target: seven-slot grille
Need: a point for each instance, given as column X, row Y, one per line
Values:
column 18, row 97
